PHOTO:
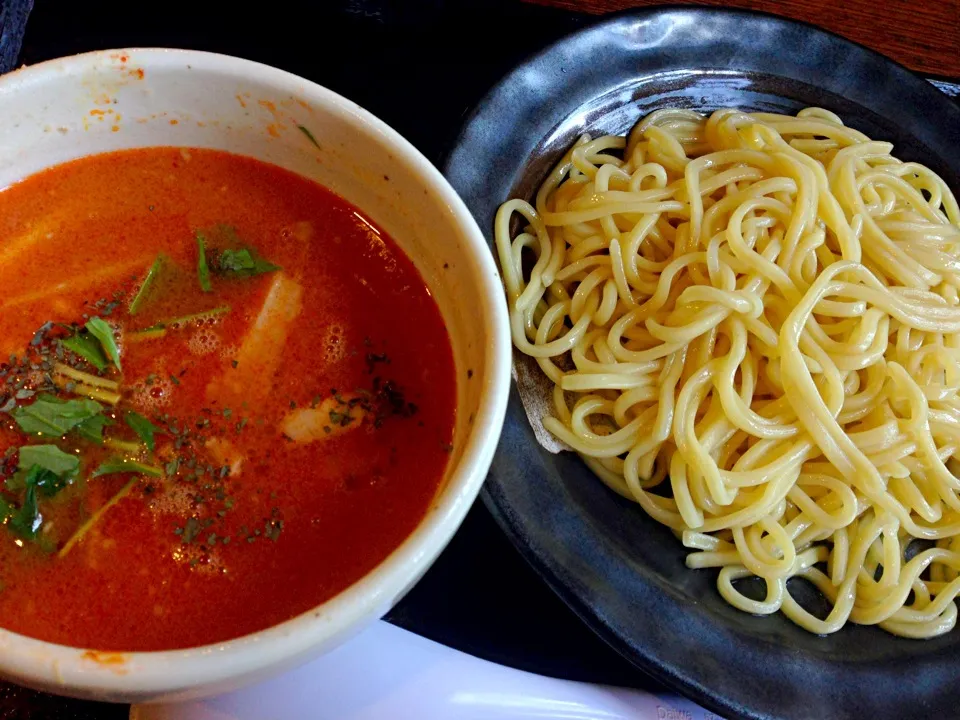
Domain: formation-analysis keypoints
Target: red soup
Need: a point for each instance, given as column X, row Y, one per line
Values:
column 226, row 395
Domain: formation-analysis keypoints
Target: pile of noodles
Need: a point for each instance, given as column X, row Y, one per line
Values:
column 753, row 327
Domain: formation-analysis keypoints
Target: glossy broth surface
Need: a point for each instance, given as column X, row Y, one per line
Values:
column 292, row 369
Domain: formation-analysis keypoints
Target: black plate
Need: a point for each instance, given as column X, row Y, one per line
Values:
column 620, row 571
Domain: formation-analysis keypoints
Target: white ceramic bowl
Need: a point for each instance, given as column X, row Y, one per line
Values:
column 110, row 100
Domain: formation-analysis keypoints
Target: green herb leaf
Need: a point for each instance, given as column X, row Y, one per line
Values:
column 123, row 465
column 104, row 333
column 87, row 347
column 144, row 292
column 92, row 429
column 54, row 417
column 203, row 270
column 49, row 457
column 49, row 483
column 27, row 520
column 15, row 483
column 235, row 260
column 310, row 136
column 142, row 427
column 243, row 262
column 38, row 480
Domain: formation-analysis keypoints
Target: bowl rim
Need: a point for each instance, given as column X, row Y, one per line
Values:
column 137, row 675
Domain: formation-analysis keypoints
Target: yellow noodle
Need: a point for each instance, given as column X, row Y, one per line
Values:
column 759, row 316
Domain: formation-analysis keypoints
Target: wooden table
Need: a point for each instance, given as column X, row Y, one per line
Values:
column 924, row 35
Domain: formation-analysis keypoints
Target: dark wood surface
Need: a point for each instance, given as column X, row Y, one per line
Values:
column 924, row 35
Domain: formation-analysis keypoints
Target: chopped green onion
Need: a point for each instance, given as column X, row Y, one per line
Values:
column 203, row 270
column 86, row 378
column 310, row 136
column 148, row 282
column 123, row 445
column 159, row 329
column 124, row 465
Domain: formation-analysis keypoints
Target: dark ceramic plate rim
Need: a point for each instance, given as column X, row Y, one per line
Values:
column 649, row 658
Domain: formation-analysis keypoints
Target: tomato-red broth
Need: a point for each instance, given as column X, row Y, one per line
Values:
column 247, row 526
